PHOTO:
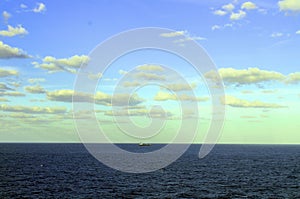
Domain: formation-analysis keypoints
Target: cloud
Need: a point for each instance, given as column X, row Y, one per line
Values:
column 6, row 16
column 99, row 98
column 247, row 92
column 181, row 87
column 153, row 113
column 289, row 5
column 40, row 7
column 174, row 34
column 164, row 96
column 269, row 91
column 228, row 7
column 3, row 99
column 23, row 6
column 4, row 87
column 12, row 94
column 298, row 32
column 189, row 39
column 119, row 99
column 13, row 31
column 66, row 96
column 70, row 64
column 131, row 84
column 8, row 72
column 240, row 103
column 237, row 15
column 33, row 109
column 35, row 80
column 293, row 78
column 7, row 52
column 245, row 76
column 95, row 76
column 123, row 72
column 248, row 5
column 276, row 34
column 216, row 27
column 186, row 37
column 37, row 89
column 150, row 67
column 148, row 76
column 220, row 12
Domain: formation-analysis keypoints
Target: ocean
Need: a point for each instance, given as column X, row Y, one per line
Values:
column 229, row 171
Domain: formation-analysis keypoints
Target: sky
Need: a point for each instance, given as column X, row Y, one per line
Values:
column 253, row 44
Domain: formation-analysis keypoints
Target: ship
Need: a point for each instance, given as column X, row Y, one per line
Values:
column 144, row 144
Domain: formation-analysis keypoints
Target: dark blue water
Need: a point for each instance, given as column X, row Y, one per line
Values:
column 230, row 171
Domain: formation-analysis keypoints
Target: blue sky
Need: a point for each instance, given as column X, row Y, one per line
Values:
column 242, row 35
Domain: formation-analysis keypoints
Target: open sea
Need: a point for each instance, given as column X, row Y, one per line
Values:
column 229, row 171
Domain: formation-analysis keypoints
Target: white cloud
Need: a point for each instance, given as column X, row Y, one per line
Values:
column 189, row 39
column 123, row 72
column 216, row 27
column 220, row 12
column 7, row 52
column 228, row 7
column 40, row 8
column 276, row 34
column 289, row 5
column 248, row 5
column 173, row 34
column 23, row 6
column 237, row 15
column 13, row 31
column 6, row 16
column 298, row 32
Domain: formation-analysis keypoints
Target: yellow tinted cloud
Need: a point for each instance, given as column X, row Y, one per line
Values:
column 220, row 12
column 293, row 78
column 7, row 52
column 33, row 109
column 4, row 87
column 164, row 96
column 37, row 89
column 148, row 76
column 35, row 80
column 248, row 5
column 245, row 76
column 237, row 15
column 70, row 64
column 12, row 94
column 13, row 31
column 66, row 96
column 181, row 87
column 8, row 72
column 289, row 5
column 3, row 99
column 173, row 34
column 98, row 98
column 240, row 103
column 150, row 67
